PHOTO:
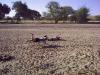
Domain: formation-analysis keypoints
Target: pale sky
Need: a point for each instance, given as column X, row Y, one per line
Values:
column 40, row 5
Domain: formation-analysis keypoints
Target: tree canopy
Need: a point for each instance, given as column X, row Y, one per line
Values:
column 23, row 11
column 82, row 15
column 4, row 9
column 65, row 11
column 54, row 10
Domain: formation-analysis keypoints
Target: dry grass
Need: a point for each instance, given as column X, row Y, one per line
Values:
column 78, row 55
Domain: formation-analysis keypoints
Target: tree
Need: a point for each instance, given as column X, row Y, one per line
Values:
column 65, row 11
column 82, row 15
column 17, row 17
column 47, row 16
column 54, row 10
column 22, row 10
column 4, row 9
column 72, row 18
column 35, row 14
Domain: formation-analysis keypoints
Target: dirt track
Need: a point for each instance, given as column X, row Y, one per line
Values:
column 35, row 26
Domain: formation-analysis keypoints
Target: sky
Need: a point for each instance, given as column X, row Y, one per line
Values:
column 40, row 5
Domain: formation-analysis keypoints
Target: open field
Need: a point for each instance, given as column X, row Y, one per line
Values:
column 79, row 54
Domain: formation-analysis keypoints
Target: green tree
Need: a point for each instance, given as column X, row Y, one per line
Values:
column 20, row 8
column 65, row 11
column 82, row 15
column 17, row 17
column 72, row 18
column 35, row 14
column 47, row 16
column 23, row 11
column 54, row 10
column 4, row 9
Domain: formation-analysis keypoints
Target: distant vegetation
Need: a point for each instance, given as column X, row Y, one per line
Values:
column 97, row 17
column 55, row 12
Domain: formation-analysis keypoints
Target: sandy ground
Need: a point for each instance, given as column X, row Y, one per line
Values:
column 78, row 54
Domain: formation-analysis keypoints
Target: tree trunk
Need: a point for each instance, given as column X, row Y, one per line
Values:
column 56, row 21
